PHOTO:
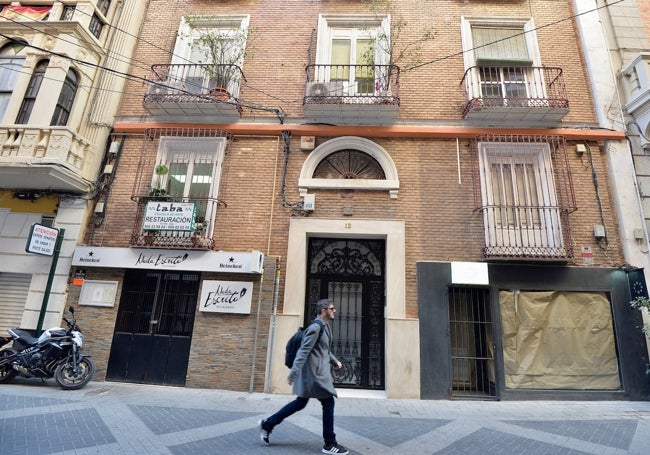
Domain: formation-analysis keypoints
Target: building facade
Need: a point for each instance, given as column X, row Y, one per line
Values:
column 437, row 169
column 60, row 86
column 618, row 34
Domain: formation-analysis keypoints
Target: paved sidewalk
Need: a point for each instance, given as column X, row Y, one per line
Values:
column 110, row 418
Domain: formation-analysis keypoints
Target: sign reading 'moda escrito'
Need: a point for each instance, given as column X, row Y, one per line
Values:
column 169, row 216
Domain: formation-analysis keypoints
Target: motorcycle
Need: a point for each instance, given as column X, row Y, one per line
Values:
column 55, row 353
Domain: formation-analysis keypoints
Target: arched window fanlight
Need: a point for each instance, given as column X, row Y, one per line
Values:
column 349, row 164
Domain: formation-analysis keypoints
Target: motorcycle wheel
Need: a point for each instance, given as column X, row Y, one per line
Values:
column 6, row 372
column 67, row 379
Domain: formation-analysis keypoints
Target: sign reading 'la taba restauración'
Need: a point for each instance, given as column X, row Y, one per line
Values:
column 169, row 216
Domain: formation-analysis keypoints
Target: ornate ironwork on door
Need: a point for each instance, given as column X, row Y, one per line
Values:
column 351, row 274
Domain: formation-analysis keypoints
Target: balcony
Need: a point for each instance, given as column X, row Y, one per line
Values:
column 176, row 92
column 191, row 227
column 352, row 94
column 517, row 96
column 523, row 189
column 52, row 158
column 635, row 80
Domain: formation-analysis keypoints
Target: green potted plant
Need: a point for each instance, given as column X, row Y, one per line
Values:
column 161, row 171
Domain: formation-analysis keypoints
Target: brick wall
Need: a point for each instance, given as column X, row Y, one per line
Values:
column 435, row 197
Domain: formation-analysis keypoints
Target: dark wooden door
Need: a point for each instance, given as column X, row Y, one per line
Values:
column 153, row 332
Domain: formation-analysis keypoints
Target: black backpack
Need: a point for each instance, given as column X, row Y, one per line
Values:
column 295, row 341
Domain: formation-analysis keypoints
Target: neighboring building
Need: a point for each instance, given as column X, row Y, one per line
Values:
column 60, row 86
column 618, row 53
column 452, row 200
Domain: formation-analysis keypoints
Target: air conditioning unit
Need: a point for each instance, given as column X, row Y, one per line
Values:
column 333, row 88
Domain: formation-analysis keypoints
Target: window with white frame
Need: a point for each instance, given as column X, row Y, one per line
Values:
column 193, row 171
column 12, row 59
column 499, row 54
column 351, row 52
column 521, row 213
column 209, row 53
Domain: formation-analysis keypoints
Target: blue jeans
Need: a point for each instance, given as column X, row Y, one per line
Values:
column 297, row 405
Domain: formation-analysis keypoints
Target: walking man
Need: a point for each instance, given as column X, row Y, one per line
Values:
column 311, row 377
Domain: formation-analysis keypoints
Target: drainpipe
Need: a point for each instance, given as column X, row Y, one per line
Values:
column 257, row 329
column 267, row 385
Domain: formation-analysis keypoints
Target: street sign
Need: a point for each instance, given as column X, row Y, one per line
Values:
column 42, row 240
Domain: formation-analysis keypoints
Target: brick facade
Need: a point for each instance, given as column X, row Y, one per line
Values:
column 435, row 199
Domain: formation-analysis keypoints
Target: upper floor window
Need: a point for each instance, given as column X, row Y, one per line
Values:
column 352, row 54
column 32, row 91
column 210, row 52
column 499, row 53
column 66, row 99
column 96, row 26
column 67, row 13
column 103, row 6
column 12, row 60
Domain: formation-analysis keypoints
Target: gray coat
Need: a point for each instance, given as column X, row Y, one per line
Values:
column 311, row 374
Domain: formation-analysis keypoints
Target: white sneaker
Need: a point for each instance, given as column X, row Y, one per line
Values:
column 264, row 435
column 335, row 448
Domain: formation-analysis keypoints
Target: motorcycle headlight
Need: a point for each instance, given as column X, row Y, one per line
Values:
column 78, row 338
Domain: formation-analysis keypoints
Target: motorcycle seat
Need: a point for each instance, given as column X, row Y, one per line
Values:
column 23, row 337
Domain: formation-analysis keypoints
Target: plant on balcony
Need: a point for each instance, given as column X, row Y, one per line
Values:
column 392, row 43
column 159, row 189
column 223, row 50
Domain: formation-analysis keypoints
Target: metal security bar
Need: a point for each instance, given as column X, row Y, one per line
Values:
column 514, row 87
column 472, row 348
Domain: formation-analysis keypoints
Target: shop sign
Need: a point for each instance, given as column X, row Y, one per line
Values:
column 226, row 297
column 169, row 216
column 167, row 259
column 42, row 240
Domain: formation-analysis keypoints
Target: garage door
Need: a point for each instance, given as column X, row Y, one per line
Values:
column 13, row 295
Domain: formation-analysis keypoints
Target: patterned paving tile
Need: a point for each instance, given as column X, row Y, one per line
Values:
column 162, row 420
column 489, row 442
column 286, row 439
column 41, row 434
column 13, row 402
column 611, row 433
column 389, row 431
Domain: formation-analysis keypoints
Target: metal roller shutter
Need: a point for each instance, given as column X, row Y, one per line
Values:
column 13, row 295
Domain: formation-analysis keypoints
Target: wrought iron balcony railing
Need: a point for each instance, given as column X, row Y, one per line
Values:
column 192, row 229
column 364, row 84
column 515, row 92
column 526, row 232
column 193, row 89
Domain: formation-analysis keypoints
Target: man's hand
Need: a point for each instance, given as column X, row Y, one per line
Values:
column 339, row 365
